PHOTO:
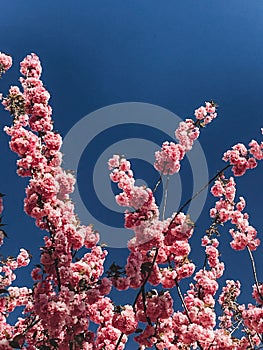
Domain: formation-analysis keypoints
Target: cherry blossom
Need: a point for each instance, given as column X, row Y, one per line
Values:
column 71, row 291
column 5, row 63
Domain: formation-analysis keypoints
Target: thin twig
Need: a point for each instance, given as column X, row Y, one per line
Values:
column 145, row 307
column 165, row 197
column 146, row 279
column 157, row 183
column 139, row 293
column 254, row 271
column 160, row 178
column 182, row 300
column 236, row 327
column 197, row 193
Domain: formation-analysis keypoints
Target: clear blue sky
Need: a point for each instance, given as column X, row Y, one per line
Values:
column 173, row 54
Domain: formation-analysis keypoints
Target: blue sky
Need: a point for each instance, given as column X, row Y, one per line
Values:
column 175, row 55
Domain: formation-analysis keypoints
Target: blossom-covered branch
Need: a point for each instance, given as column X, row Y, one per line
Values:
column 71, row 291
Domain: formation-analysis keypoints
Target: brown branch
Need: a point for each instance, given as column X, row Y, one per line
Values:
column 139, row 293
column 145, row 308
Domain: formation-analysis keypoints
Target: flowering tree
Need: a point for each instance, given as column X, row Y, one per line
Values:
column 69, row 292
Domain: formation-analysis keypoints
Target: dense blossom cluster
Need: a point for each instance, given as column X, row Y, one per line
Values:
column 242, row 158
column 64, row 288
column 5, row 63
column 244, row 235
column 168, row 159
column 71, row 292
column 14, row 296
column 167, row 239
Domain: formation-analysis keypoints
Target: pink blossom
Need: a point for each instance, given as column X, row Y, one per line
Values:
column 1, row 204
column 30, row 66
column 201, row 112
column 125, row 320
column 241, row 204
column 5, row 63
column 253, row 318
column 69, row 286
column 256, row 149
column 240, row 159
column 258, row 293
column 107, row 338
column 186, row 133
column 217, row 189
column 210, row 108
column 168, row 159
column 146, row 338
column 23, row 258
column 168, row 278
column 53, row 141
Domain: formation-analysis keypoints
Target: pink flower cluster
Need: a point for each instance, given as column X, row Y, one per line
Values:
column 13, row 296
column 7, row 275
column 258, row 293
column 167, row 161
column 170, row 237
column 125, row 320
column 226, row 210
column 253, row 319
column 64, row 288
column 159, row 242
column 158, row 306
column 155, row 244
column 5, row 63
column 2, row 232
column 195, row 326
column 242, row 158
column 141, row 199
column 205, row 114
column 228, row 301
column 71, row 293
